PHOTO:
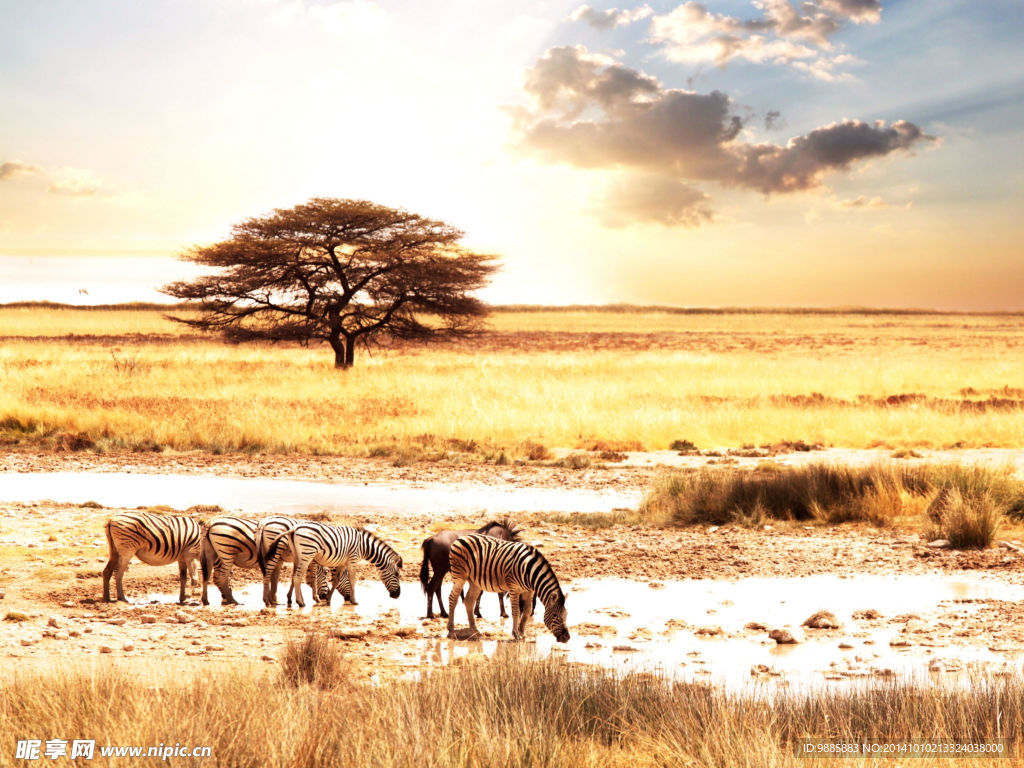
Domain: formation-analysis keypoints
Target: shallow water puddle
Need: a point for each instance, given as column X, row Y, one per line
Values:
column 695, row 630
column 256, row 496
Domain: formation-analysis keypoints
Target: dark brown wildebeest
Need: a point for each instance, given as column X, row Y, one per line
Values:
column 435, row 554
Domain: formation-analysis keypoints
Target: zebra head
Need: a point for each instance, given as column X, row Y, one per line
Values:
column 554, row 619
column 391, row 575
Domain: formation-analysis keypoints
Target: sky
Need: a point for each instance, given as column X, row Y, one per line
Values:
column 726, row 153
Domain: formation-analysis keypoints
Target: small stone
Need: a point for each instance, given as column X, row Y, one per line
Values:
column 26, row 641
column 106, row 649
column 711, row 631
column 61, row 635
column 867, row 614
column 756, row 626
column 194, row 652
column 938, row 544
column 822, row 620
column 624, row 649
column 846, row 643
column 266, row 657
column 899, row 642
column 182, row 618
column 119, row 621
column 148, row 618
column 67, row 604
column 215, row 647
column 786, row 636
column 128, row 646
column 236, row 623
column 54, row 621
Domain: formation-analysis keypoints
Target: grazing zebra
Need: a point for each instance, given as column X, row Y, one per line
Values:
column 506, row 566
column 335, row 547
column 231, row 541
column 266, row 531
column 157, row 540
column 435, row 553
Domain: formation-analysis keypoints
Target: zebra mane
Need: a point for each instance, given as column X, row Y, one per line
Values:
column 548, row 566
column 507, row 523
column 373, row 537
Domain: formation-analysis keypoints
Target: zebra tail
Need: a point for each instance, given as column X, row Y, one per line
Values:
column 425, row 568
column 271, row 550
column 206, row 556
column 110, row 538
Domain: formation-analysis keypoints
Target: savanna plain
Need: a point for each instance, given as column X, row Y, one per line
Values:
column 778, row 448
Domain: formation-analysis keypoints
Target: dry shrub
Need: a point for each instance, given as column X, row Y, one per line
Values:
column 535, row 451
column 965, row 520
column 315, row 661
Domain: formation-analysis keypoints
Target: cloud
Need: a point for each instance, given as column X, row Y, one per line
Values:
column 801, row 164
column 783, row 34
column 73, row 182
column 590, row 111
column 14, row 168
column 653, row 199
column 611, row 18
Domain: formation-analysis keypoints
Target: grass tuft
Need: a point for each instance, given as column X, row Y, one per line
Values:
column 315, row 661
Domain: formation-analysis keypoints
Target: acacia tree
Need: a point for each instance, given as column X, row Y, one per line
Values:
column 348, row 272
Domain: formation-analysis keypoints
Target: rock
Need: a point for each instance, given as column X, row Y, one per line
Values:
column 54, row 621
column 899, row 642
column 266, row 657
column 67, row 604
column 106, row 649
column 938, row 544
column 61, row 635
column 822, row 620
column 128, row 646
column 786, row 636
column 215, row 647
column 625, row 649
column 182, row 618
column 712, row 631
column 118, row 621
column 26, row 641
column 194, row 652
column 756, row 626
column 759, row 669
column 867, row 614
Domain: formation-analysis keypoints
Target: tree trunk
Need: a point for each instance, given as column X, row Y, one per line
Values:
column 342, row 354
column 350, row 351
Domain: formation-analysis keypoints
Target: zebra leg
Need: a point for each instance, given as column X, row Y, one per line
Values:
column 501, row 604
column 108, row 571
column 472, row 598
column 513, row 602
column 525, row 602
column 453, row 601
column 270, row 585
column 183, row 569
column 122, row 567
column 351, row 585
column 298, row 574
column 222, row 578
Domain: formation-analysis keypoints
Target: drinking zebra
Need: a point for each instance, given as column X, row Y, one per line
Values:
column 230, row 542
column 489, row 564
column 157, row 540
column 435, row 553
column 336, row 547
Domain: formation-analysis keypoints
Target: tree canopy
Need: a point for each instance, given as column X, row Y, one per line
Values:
column 347, row 272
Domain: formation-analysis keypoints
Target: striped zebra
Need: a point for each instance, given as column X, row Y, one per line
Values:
column 492, row 565
column 336, row 547
column 266, row 531
column 230, row 542
column 157, row 540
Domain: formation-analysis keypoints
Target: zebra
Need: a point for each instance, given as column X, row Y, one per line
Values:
column 265, row 532
column 231, row 541
column 157, row 540
column 435, row 553
column 335, row 547
column 493, row 565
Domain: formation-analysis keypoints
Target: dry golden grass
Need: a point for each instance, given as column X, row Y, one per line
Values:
column 571, row 380
column 504, row 713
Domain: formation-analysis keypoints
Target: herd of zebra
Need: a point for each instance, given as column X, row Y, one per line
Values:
column 490, row 558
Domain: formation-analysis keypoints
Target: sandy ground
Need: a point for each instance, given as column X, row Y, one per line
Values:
column 51, row 557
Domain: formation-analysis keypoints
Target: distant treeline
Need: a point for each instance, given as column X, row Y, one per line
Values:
column 623, row 309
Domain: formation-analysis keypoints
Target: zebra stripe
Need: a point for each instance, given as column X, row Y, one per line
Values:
column 156, row 540
column 336, row 547
column 492, row 565
column 230, row 542
column 267, row 530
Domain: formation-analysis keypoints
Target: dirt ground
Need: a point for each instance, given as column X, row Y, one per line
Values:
column 52, row 555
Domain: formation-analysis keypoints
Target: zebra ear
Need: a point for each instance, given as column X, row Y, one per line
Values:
column 565, row 597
